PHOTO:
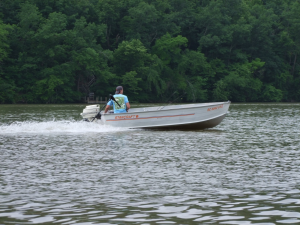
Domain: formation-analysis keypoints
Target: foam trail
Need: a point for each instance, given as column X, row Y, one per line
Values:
column 64, row 126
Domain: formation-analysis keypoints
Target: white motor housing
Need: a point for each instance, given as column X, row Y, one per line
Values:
column 90, row 111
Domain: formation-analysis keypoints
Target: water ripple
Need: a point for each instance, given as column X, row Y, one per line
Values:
column 63, row 171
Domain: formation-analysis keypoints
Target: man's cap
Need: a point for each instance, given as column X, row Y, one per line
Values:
column 118, row 89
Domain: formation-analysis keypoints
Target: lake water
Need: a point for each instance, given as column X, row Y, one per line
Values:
column 55, row 169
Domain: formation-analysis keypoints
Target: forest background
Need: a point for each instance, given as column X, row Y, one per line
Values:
column 58, row 51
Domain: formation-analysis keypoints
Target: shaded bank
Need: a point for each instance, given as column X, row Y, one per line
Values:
column 180, row 51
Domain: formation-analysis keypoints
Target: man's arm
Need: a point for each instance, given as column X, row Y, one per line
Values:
column 127, row 106
column 107, row 108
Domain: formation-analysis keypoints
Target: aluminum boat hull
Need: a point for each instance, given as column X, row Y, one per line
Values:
column 189, row 116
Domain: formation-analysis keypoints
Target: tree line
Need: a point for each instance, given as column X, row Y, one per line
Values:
column 58, row 51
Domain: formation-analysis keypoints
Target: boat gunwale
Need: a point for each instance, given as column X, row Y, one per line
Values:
column 194, row 106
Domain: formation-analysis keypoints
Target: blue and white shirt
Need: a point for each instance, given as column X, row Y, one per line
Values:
column 122, row 100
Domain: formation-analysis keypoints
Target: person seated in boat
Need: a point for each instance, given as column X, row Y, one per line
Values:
column 121, row 99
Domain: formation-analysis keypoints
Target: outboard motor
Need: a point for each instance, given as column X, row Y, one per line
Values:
column 90, row 112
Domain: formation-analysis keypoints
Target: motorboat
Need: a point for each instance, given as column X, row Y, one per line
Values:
column 186, row 116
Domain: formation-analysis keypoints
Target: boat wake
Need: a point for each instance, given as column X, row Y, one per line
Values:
column 64, row 126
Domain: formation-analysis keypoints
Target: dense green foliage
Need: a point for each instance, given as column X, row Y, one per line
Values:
column 57, row 51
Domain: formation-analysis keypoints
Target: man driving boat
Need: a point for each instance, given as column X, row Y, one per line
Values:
column 123, row 105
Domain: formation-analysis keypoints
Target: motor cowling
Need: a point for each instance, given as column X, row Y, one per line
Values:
column 90, row 112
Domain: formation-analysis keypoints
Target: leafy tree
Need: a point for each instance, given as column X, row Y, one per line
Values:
column 131, row 81
column 159, row 50
column 168, row 49
column 271, row 94
column 197, row 73
column 7, row 87
column 54, row 55
column 4, row 47
column 239, row 85
column 141, row 23
column 110, row 13
column 138, row 70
